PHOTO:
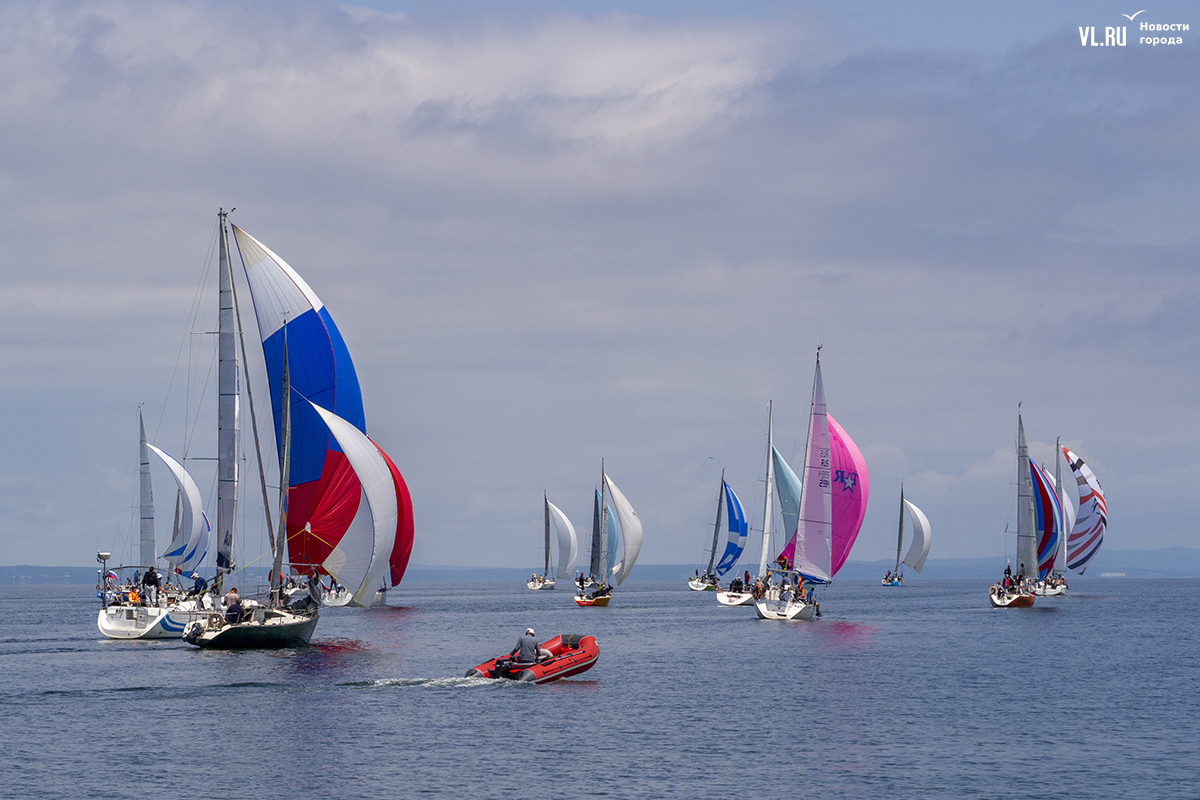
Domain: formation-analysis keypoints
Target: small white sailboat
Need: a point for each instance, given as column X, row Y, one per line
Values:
column 729, row 506
column 133, row 611
column 568, row 547
column 626, row 522
column 918, row 548
column 744, row 595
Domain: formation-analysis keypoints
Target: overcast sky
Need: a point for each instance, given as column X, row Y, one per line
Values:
column 551, row 237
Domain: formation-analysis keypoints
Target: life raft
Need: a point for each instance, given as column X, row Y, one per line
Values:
column 570, row 655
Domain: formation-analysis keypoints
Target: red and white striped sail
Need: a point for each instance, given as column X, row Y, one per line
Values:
column 362, row 555
column 1088, row 533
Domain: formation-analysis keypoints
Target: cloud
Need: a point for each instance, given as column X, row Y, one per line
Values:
column 564, row 237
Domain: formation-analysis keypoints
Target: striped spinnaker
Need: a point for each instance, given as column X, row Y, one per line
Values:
column 1084, row 541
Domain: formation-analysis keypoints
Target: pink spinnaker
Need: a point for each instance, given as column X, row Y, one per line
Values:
column 851, row 487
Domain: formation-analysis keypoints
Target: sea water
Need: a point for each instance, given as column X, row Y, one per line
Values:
column 915, row 691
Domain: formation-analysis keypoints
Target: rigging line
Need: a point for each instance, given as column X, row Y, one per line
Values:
column 184, row 341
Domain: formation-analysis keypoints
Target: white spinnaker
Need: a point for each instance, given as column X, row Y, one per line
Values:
column 568, row 544
column 814, row 534
column 631, row 532
column 192, row 525
column 918, row 549
column 278, row 292
column 360, row 558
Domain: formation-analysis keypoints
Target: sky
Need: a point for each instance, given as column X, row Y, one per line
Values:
column 558, row 233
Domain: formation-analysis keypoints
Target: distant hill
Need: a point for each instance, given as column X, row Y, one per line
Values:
column 1172, row 562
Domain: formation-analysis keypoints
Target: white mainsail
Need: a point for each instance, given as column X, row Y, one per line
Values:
column 767, row 508
column 568, row 544
column 190, row 544
column 631, row 532
column 148, row 557
column 918, row 549
column 228, row 412
column 360, row 558
column 1026, row 530
column 814, row 545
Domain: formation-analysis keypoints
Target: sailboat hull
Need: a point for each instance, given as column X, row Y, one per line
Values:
column 584, row 600
column 1010, row 600
column 701, row 585
column 539, row 584
column 892, row 582
column 1042, row 590
column 735, row 598
column 273, row 629
column 141, row 622
column 784, row 609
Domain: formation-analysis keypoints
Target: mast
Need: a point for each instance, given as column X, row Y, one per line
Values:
column 228, row 411
column 285, row 465
column 766, row 540
column 546, row 569
column 1060, row 555
column 603, row 528
column 900, row 536
column 1026, row 535
column 147, row 499
column 716, row 526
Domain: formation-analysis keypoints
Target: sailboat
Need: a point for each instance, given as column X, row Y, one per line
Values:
column 1038, row 523
column 825, row 522
column 918, row 549
column 344, row 510
column 607, row 521
column 126, row 614
column 745, row 595
column 568, row 548
column 738, row 530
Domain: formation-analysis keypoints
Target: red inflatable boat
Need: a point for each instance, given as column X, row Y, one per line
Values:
column 569, row 655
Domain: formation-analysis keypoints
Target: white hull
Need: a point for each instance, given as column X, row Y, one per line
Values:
column 146, row 622
column 701, row 585
column 735, row 598
column 893, row 582
column 1052, row 591
column 784, row 609
column 539, row 584
column 380, row 599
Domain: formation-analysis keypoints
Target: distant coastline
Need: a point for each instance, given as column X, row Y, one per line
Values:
column 1170, row 562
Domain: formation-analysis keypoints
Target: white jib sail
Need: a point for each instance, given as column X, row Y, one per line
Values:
column 918, row 549
column 814, row 541
column 568, row 544
column 631, row 532
column 192, row 521
column 360, row 558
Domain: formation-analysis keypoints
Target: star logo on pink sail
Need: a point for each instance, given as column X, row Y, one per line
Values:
column 848, row 480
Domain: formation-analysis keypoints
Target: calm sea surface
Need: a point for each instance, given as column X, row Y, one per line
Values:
column 920, row 691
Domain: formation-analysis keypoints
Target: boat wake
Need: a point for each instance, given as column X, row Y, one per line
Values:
column 436, row 683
